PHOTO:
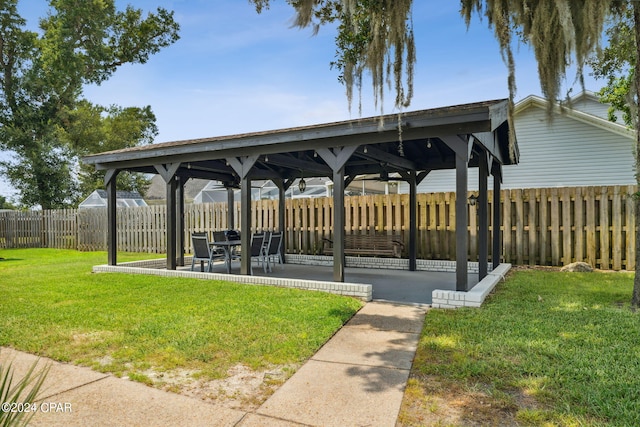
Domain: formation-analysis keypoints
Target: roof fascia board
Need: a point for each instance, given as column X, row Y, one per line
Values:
column 531, row 100
column 584, row 94
column 498, row 114
column 601, row 123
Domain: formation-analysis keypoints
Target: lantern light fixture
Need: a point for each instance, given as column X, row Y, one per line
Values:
column 302, row 185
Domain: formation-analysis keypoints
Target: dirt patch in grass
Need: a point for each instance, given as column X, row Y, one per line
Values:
column 242, row 389
column 430, row 401
column 427, row 401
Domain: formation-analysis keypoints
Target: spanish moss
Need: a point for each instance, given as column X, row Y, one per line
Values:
column 376, row 38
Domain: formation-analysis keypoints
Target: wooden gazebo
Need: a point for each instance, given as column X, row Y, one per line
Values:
column 410, row 144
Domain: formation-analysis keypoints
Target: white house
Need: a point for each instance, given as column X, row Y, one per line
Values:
column 578, row 147
column 98, row 199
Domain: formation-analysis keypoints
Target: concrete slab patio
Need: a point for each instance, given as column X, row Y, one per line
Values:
column 390, row 285
column 387, row 279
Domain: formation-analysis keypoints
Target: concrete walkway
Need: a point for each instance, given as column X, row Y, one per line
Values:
column 356, row 379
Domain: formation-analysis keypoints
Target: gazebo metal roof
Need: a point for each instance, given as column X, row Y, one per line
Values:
column 410, row 144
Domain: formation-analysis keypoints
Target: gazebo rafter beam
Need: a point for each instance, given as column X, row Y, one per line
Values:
column 291, row 162
column 216, row 174
column 376, row 154
column 267, row 174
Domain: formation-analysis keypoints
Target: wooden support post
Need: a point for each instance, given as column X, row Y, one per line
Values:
column 462, row 146
column 171, row 224
column 180, row 182
column 168, row 173
column 483, row 216
column 411, row 179
column 112, row 232
column 282, row 204
column 336, row 158
column 338, row 225
column 462, row 219
column 245, row 225
column 231, row 220
column 242, row 166
column 496, row 250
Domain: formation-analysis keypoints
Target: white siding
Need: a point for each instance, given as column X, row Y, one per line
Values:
column 444, row 180
column 564, row 152
column 590, row 104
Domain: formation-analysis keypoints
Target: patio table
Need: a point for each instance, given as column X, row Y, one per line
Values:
column 229, row 248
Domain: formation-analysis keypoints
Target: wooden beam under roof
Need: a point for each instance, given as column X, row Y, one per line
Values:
column 376, row 154
column 292, row 162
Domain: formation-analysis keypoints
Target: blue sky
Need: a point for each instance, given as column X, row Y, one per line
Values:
column 234, row 71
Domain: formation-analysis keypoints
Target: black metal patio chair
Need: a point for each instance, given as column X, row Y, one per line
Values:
column 273, row 250
column 202, row 251
column 257, row 251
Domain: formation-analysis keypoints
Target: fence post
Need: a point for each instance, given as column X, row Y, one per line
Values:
column 630, row 228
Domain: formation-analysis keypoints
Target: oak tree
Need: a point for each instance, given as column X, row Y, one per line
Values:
column 42, row 76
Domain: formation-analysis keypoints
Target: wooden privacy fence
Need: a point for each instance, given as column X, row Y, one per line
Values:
column 558, row 226
column 548, row 226
column 37, row 229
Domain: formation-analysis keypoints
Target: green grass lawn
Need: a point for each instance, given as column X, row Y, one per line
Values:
column 52, row 305
column 548, row 348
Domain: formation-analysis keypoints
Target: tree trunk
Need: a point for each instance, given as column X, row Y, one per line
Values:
column 635, row 298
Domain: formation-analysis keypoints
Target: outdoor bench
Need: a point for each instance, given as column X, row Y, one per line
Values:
column 368, row 244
